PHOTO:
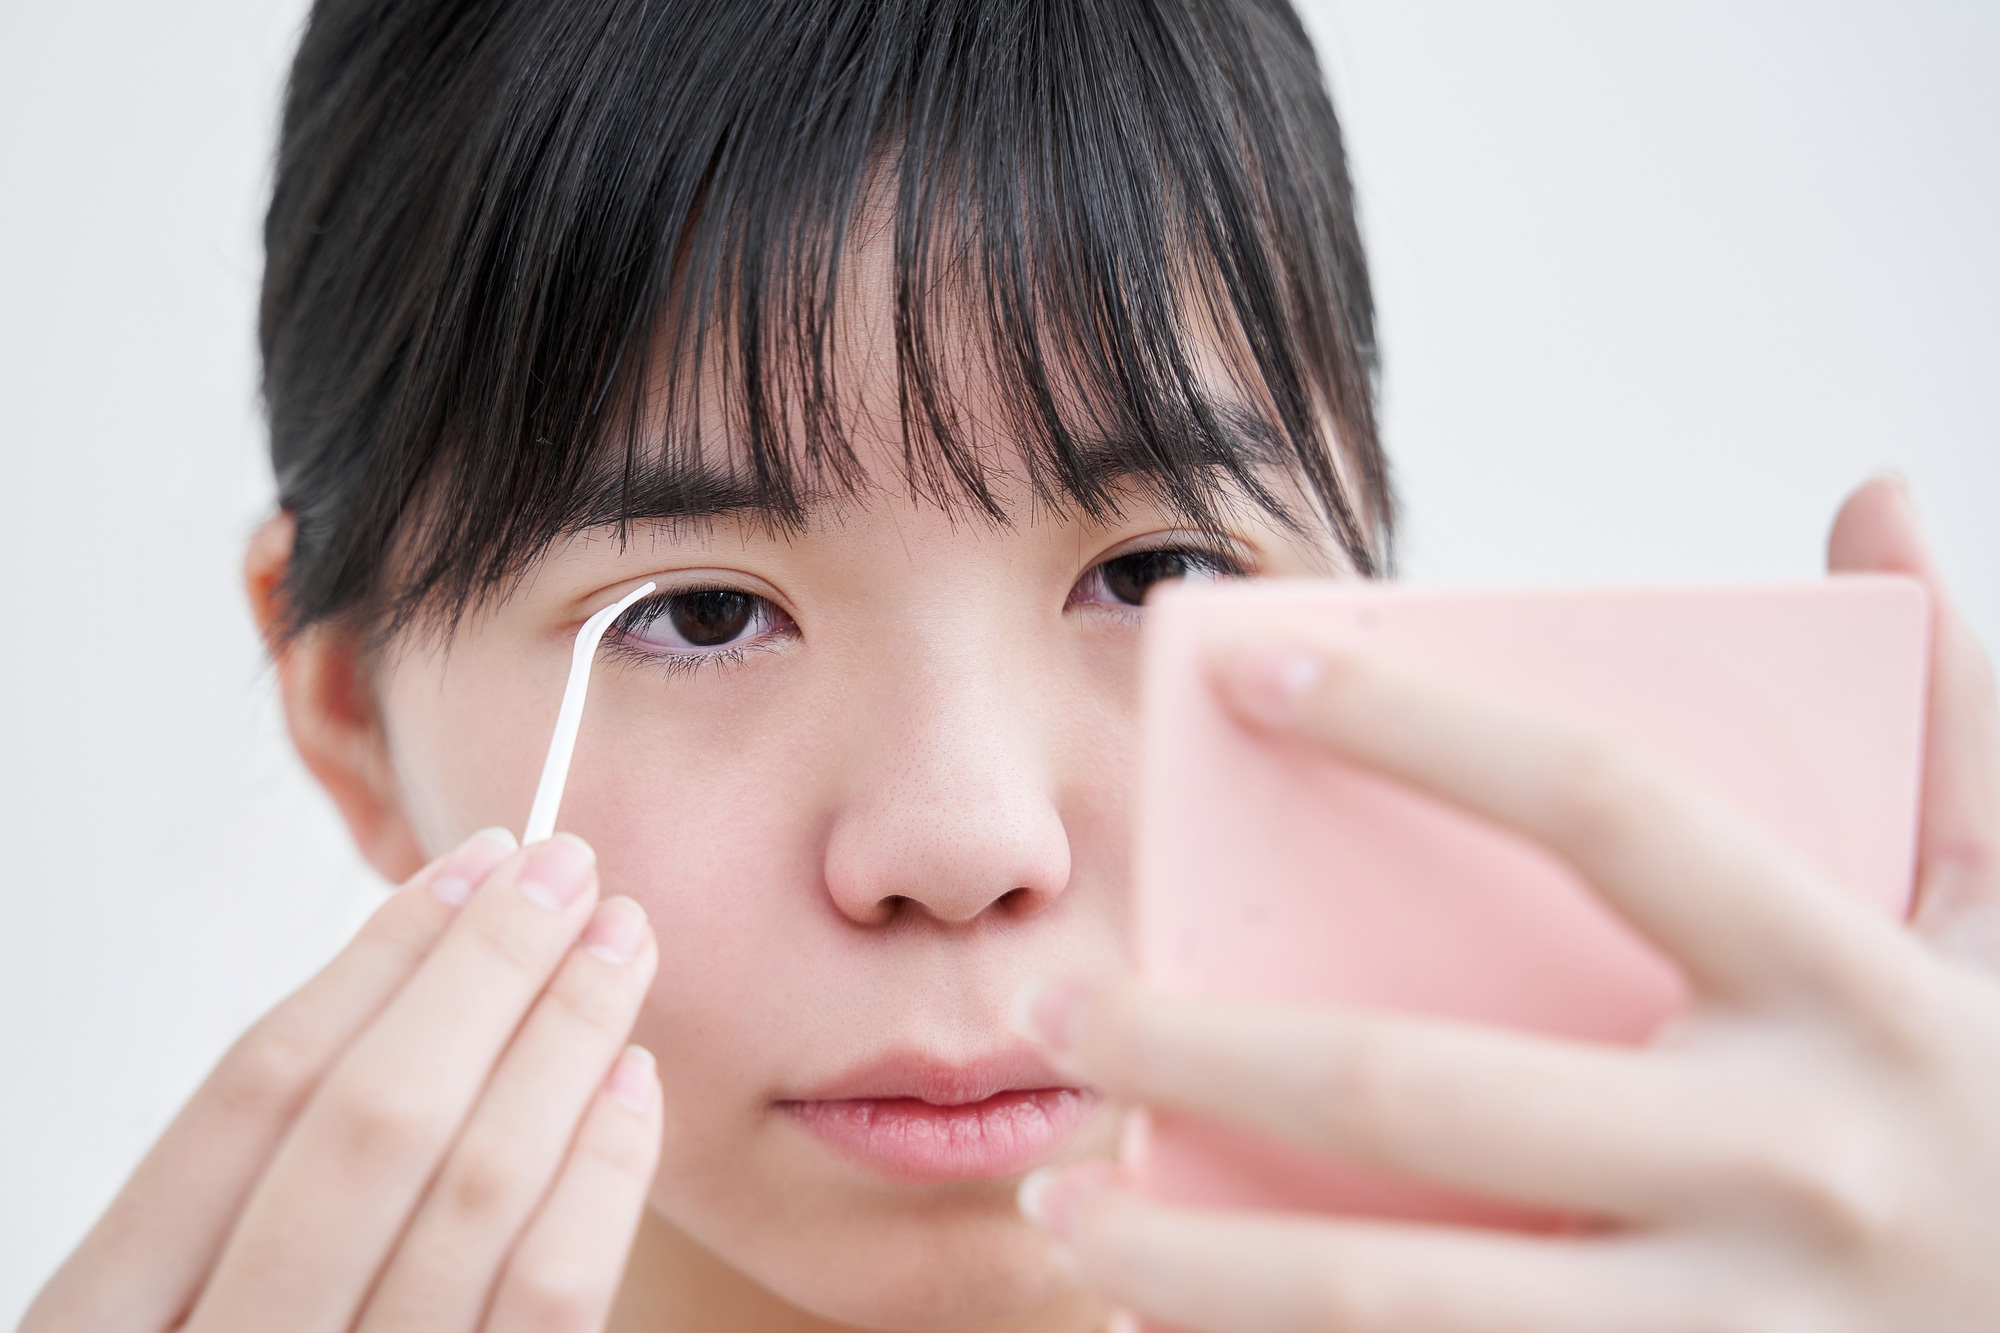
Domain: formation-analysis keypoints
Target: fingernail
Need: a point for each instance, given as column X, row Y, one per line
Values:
column 556, row 871
column 1901, row 481
column 472, row 862
column 1267, row 681
column 1051, row 1013
column 631, row 1082
column 1052, row 1198
column 616, row 930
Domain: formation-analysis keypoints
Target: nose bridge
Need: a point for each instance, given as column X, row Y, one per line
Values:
column 949, row 805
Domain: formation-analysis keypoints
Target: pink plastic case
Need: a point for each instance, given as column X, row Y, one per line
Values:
column 1268, row 874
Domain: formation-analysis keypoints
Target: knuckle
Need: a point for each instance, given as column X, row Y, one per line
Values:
column 623, row 1148
column 1339, row 1301
column 398, row 933
column 1140, row 1045
column 1828, row 1176
column 1361, row 1080
column 593, row 1002
column 1970, row 856
column 384, row 1126
column 269, row 1070
column 553, row 1294
column 1900, row 1009
column 1599, row 798
column 506, row 943
column 1782, row 1311
column 485, row 1177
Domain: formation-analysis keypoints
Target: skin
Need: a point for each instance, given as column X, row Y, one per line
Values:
column 882, row 828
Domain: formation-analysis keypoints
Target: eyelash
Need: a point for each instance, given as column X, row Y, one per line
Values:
column 624, row 640
column 676, row 664
column 1216, row 561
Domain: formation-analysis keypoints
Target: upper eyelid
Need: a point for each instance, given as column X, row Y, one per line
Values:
column 680, row 583
column 1232, row 552
column 710, row 580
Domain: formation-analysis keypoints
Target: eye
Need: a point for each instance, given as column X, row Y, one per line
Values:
column 699, row 622
column 1124, row 580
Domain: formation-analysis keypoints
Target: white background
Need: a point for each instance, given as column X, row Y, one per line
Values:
column 1657, row 284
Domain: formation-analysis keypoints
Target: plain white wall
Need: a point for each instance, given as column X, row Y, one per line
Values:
column 1657, row 284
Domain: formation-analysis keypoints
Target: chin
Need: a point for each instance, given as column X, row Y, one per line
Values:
column 940, row 1260
column 948, row 1270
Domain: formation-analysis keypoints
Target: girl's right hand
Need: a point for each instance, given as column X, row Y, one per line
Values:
column 442, row 1130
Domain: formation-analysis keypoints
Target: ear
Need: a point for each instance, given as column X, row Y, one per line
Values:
column 330, row 710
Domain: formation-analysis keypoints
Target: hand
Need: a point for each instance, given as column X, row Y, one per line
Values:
column 442, row 1130
column 1814, row 1147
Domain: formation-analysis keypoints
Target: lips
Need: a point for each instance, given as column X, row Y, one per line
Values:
column 920, row 1120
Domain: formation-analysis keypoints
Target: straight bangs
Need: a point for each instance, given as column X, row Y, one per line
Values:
column 621, row 296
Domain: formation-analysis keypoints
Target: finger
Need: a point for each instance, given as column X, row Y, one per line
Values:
column 564, row 1272
column 1958, row 845
column 1478, row 1109
column 143, row 1263
column 319, row 1225
column 512, row 1147
column 1743, row 916
column 1252, row 1273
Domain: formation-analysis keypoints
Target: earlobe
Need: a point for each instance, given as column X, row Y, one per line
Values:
column 330, row 710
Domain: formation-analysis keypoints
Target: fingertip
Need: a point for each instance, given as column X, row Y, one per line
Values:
column 1267, row 681
column 1891, row 476
column 1054, row 1197
column 634, row 1080
column 467, row 866
column 573, row 840
column 1878, row 529
column 499, row 839
column 1033, row 1196
column 617, row 931
column 558, row 871
column 1051, row 1013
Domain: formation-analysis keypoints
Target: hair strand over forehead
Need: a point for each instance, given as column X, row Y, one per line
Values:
column 515, row 246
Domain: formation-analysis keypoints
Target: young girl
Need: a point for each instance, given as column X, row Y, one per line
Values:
column 905, row 345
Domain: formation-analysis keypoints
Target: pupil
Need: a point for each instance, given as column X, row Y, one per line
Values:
column 1129, row 576
column 708, row 619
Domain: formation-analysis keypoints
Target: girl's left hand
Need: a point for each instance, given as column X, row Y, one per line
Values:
column 1813, row 1147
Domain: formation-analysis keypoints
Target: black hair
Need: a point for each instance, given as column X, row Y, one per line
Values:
column 512, row 242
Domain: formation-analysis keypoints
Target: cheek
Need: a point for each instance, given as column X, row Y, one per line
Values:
column 466, row 737
column 703, row 805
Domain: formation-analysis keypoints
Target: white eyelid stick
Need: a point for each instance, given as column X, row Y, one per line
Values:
column 555, row 768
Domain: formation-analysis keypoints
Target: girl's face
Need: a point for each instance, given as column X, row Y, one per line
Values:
column 868, row 778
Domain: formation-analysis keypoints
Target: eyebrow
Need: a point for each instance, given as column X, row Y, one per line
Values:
column 685, row 489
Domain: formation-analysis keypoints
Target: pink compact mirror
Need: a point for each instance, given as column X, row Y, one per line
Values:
column 1267, row 874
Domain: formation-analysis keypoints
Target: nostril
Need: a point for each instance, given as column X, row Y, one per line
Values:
column 1016, row 902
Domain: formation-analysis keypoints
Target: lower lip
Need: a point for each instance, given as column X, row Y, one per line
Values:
column 919, row 1142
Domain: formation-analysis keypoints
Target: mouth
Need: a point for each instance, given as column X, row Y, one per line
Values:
column 921, row 1120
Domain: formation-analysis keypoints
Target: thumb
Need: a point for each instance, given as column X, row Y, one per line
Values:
column 1958, row 841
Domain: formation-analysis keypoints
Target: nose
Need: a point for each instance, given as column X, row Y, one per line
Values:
column 949, row 809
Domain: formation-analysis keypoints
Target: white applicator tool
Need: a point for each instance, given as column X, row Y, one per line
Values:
column 555, row 768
